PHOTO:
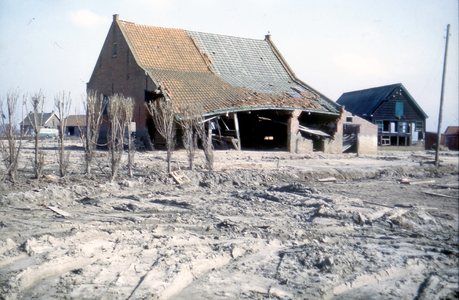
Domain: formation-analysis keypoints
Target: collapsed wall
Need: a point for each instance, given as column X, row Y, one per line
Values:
column 366, row 133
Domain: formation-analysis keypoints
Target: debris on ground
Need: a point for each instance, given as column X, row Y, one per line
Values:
column 251, row 229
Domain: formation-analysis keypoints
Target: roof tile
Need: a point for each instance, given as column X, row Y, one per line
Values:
column 217, row 71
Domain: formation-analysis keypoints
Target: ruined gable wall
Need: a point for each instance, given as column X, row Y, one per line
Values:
column 121, row 74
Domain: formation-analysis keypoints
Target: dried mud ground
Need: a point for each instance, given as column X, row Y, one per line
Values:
column 260, row 226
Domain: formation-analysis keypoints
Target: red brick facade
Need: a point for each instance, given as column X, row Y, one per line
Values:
column 118, row 72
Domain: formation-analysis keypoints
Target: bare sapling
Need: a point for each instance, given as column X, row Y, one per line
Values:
column 115, row 135
column 128, row 108
column 12, row 148
column 189, row 118
column 164, row 119
column 95, row 107
column 36, row 121
column 205, row 134
column 62, row 102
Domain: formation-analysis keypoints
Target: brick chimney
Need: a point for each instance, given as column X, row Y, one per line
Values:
column 116, row 17
column 268, row 36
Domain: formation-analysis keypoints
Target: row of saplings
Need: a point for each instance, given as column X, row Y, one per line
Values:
column 119, row 115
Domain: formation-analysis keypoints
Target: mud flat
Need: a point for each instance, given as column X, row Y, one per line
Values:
column 261, row 226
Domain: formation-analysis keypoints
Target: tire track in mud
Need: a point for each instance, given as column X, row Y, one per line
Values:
column 211, row 241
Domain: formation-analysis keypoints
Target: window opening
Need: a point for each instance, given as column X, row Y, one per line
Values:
column 114, row 50
column 386, row 126
column 105, row 104
column 399, row 109
column 380, row 124
column 419, row 126
column 393, row 127
column 402, row 127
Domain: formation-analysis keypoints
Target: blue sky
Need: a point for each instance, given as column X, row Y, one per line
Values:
column 334, row 46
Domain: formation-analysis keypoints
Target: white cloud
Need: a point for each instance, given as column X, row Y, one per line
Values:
column 86, row 19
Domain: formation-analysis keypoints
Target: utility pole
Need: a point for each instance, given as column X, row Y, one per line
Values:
column 440, row 115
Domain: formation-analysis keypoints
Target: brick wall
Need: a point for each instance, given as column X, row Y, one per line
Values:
column 368, row 133
column 121, row 74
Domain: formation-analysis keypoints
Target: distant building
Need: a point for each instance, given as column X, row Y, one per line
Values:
column 75, row 125
column 452, row 137
column 44, row 120
column 449, row 139
column 400, row 120
column 431, row 140
column 4, row 128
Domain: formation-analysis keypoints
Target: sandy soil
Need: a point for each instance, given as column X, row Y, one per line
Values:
column 261, row 226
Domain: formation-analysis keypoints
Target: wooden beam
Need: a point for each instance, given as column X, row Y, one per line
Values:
column 441, row 195
column 209, row 133
column 328, row 179
column 236, row 127
column 59, row 211
column 440, row 114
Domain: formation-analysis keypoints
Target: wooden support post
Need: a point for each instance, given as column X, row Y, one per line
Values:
column 209, row 133
column 218, row 128
column 236, row 127
column 293, row 128
column 440, row 114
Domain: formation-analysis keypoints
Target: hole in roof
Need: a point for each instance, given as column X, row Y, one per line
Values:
column 213, row 52
column 294, row 95
column 158, row 47
column 298, row 89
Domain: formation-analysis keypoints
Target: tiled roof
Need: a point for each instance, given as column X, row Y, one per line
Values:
column 244, row 62
column 76, row 120
column 220, row 72
column 160, row 48
column 452, row 130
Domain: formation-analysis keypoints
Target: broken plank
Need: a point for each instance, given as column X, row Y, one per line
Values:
column 235, row 143
column 421, row 156
column 180, row 177
column 441, row 195
column 421, row 182
column 448, row 186
column 373, row 203
column 59, row 211
column 329, row 179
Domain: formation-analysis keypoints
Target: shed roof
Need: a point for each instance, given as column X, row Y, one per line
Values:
column 452, row 130
column 365, row 102
column 76, row 120
column 223, row 73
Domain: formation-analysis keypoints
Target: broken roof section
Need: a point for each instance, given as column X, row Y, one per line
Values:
column 244, row 62
column 222, row 73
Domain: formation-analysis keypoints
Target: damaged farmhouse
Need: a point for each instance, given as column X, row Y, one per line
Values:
column 249, row 95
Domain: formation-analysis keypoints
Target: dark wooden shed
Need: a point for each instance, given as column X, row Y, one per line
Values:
column 401, row 121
